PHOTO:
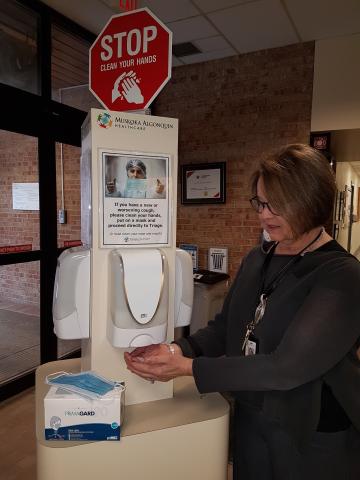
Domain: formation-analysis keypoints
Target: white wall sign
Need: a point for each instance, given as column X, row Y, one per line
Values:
column 218, row 260
column 135, row 198
column 25, row 196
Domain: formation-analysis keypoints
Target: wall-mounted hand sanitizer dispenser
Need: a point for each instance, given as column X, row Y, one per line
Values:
column 138, row 297
column 184, row 288
column 71, row 301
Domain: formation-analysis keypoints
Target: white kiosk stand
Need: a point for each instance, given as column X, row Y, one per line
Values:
column 169, row 428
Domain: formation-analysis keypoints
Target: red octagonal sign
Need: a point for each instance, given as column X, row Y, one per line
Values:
column 130, row 61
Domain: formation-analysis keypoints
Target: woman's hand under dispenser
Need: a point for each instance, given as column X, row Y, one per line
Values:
column 161, row 362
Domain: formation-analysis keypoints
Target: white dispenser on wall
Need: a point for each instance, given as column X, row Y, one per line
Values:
column 71, row 301
column 184, row 288
column 139, row 296
column 138, row 299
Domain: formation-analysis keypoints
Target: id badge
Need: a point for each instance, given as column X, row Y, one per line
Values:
column 252, row 346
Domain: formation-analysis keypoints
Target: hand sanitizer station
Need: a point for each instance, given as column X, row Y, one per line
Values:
column 128, row 286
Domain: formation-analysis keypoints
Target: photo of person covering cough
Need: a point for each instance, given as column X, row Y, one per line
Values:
column 294, row 308
column 136, row 184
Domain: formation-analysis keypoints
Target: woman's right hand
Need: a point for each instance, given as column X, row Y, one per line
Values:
column 158, row 362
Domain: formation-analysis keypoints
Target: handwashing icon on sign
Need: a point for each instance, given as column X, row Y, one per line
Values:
column 126, row 87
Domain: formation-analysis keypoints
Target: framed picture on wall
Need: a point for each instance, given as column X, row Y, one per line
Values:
column 203, row 183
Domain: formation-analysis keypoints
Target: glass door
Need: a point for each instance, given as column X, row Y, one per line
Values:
column 19, row 233
column 43, row 76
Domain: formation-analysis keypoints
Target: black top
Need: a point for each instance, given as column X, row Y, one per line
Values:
column 307, row 335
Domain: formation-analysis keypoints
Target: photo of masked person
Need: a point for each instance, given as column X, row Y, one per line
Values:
column 286, row 344
column 144, row 177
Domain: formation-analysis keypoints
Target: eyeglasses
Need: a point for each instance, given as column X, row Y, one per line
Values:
column 259, row 206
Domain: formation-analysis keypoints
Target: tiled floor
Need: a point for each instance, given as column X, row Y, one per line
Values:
column 17, row 433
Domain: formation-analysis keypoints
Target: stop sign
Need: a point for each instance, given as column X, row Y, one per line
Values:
column 130, row 61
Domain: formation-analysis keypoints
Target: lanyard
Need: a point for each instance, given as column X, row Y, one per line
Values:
column 279, row 276
column 266, row 291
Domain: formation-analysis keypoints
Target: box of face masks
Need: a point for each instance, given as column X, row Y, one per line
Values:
column 69, row 416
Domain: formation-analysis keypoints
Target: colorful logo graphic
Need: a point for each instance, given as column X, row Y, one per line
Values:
column 104, row 120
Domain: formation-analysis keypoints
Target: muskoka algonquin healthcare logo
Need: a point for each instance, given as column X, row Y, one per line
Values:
column 104, row 120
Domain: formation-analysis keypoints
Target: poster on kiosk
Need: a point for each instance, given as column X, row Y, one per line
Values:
column 128, row 285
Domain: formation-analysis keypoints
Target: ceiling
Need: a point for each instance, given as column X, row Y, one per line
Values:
column 222, row 28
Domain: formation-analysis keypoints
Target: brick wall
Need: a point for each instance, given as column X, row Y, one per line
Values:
column 71, row 172
column 18, row 164
column 236, row 110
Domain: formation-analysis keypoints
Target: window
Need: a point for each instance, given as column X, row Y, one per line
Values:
column 68, row 194
column 19, row 53
column 19, row 199
column 42, row 95
column 70, row 70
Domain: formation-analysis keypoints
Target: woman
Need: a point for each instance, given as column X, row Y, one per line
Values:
column 285, row 343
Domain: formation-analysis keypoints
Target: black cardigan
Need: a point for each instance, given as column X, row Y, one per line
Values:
column 308, row 335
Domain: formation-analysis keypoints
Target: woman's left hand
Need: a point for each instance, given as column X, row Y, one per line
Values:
column 157, row 362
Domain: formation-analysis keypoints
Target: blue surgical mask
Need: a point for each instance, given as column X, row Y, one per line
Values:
column 88, row 384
